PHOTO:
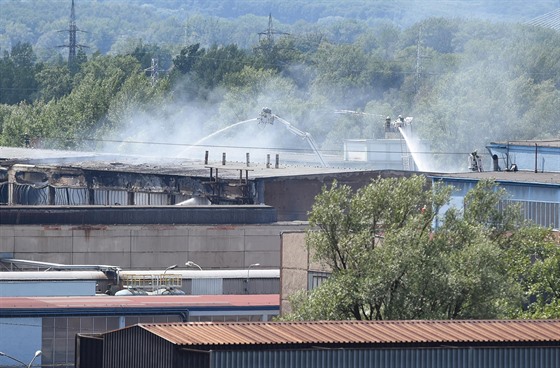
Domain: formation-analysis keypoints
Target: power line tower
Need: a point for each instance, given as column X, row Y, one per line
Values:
column 154, row 71
column 72, row 30
column 269, row 33
column 419, row 57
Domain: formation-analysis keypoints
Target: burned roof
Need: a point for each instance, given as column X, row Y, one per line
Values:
column 357, row 332
column 289, row 164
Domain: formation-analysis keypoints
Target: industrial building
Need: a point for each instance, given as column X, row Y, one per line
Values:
column 76, row 179
column 141, row 282
column 537, row 193
column 144, row 217
column 47, row 307
column 133, row 220
column 50, row 324
column 372, row 344
column 535, row 156
column 85, row 208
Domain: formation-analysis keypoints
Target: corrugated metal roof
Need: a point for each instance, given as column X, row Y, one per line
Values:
column 358, row 332
column 548, row 20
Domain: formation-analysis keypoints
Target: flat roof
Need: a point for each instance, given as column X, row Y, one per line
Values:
column 555, row 143
column 138, row 301
column 506, row 176
column 356, row 332
column 290, row 164
column 80, row 275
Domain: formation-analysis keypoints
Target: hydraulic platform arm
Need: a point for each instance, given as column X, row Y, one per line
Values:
column 305, row 135
column 267, row 117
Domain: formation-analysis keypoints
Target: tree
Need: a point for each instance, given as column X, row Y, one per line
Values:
column 187, row 57
column 388, row 262
column 276, row 55
column 533, row 256
column 145, row 53
column 55, row 81
column 342, row 74
column 216, row 64
column 17, row 75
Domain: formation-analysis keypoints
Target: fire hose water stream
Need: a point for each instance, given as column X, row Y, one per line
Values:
column 266, row 117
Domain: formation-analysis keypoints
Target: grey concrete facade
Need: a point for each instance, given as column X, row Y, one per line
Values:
column 147, row 246
column 296, row 265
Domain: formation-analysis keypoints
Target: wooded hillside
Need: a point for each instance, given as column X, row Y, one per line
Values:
column 465, row 81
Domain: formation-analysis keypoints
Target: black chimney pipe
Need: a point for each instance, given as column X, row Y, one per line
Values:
column 496, row 164
column 536, row 159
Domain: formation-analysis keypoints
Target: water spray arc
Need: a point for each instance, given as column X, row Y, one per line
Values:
column 204, row 139
column 267, row 117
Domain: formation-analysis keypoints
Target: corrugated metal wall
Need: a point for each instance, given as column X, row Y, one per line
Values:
column 545, row 214
column 191, row 359
column 256, row 286
column 233, row 286
column 133, row 215
column 391, row 358
column 89, row 351
column 136, row 348
column 206, row 287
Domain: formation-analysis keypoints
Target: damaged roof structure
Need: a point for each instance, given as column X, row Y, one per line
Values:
column 31, row 177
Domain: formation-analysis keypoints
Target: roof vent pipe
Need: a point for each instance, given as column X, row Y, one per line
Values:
column 536, row 158
column 496, row 164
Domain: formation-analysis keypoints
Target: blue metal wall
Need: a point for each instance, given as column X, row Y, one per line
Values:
column 540, row 202
column 508, row 357
column 527, row 157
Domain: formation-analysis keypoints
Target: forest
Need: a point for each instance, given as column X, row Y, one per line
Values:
column 169, row 72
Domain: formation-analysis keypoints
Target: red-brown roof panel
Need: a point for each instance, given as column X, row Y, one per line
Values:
column 139, row 301
column 338, row 332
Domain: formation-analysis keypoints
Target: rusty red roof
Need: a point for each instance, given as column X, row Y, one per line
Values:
column 139, row 301
column 357, row 332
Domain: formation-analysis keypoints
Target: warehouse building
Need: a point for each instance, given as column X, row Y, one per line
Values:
column 538, row 194
column 50, row 324
column 536, row 156
column 387, row 344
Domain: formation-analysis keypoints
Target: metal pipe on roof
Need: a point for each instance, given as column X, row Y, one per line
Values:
column 182, row 312
column 536, row 158
column 54, row 275
column 59, row 266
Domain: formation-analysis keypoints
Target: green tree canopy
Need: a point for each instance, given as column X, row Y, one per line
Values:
column 389, row 262
column 17, row 75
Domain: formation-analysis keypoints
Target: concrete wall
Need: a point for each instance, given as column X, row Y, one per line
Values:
column 147, row 246
column 296, row 262
column 293, row 196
